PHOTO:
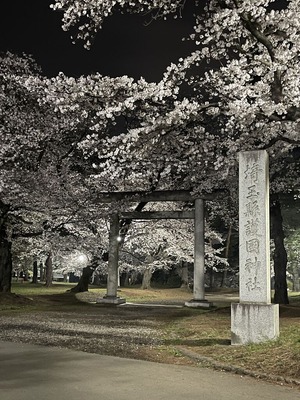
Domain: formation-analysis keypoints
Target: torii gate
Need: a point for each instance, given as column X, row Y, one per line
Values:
column 254, row 319
column 197, row 214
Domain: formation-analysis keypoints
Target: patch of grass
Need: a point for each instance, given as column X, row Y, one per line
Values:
column 202, row 326
column 138, row 295
column 132, row 294
column 27, row 297
column 294, row 297
column 209, row 335
column 39, row 289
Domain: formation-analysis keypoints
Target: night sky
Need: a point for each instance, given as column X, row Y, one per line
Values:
column 124, row 46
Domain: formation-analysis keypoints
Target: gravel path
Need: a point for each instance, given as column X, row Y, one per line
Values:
column 125, row 332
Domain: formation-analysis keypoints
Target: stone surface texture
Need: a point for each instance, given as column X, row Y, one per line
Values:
column 254, row 323
column 198, row 304
column 110, row 300
column 254, row 319
column 254, row 227
column 199, row 252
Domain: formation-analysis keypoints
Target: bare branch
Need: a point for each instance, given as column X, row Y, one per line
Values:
column 132, row 255
column 280, row 138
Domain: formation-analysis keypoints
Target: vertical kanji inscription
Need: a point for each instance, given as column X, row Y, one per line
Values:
column 254, row 227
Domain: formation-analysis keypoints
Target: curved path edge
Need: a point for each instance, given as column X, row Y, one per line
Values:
column 208, row 361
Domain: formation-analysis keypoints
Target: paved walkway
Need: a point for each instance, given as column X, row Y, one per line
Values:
column 29, row 372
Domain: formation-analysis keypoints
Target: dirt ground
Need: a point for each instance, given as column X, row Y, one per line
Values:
column 169, row 334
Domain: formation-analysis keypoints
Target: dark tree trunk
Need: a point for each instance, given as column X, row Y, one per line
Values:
column 96, row 279
column 133, row 278
column 280, row 256
column 228, row 243
column 296, row 281
column 35, row 272
column 5, row 251
column 26, row 275
column 146, row 283
column 83, row 284
column 49, row 270
column 183, row 272
column 126, row 280
column 42, row 272
column 211, row 278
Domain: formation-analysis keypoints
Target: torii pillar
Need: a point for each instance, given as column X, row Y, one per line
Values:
column 199, row 300
column 111, row 296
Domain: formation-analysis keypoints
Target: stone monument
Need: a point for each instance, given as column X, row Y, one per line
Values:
column 254, row 319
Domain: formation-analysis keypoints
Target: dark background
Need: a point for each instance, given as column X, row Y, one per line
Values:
column 124, row 46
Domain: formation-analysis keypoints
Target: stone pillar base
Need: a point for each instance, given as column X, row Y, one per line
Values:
column 111, row 300
column 198, row 304
column 254, row 322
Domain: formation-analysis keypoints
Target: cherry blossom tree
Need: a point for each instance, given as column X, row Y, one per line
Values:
column 17, row 150
column 237, row 91
column 155, row 245
column 250, row 101
column 163, row 244
column 60, row 241
column 243, row 94
column 39, row 193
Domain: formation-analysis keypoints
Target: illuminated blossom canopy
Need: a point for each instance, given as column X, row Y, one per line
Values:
column 184, row 131
column 248, row 97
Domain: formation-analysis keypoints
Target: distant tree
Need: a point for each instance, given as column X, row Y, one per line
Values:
column 35, row 272
column 24, row 126
column 85, row 278
column 5, row 251
column 292, row 244
column 49, row 269
column 160, row 245
column 41, row 192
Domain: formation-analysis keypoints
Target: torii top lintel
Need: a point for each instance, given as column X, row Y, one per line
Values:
column 156, row 196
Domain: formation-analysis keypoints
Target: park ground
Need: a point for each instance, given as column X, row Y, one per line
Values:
column 152, row 326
